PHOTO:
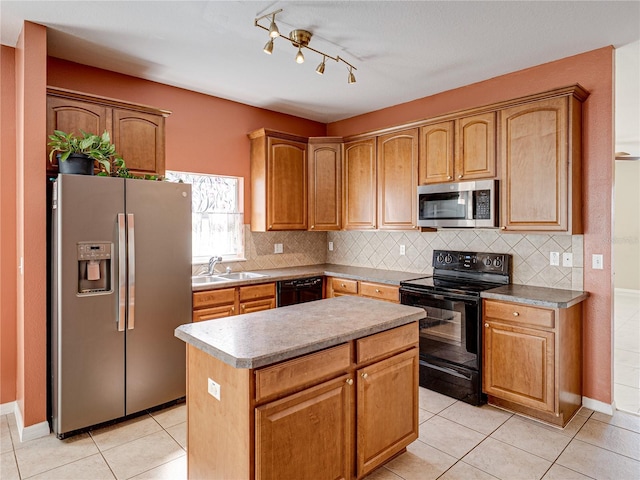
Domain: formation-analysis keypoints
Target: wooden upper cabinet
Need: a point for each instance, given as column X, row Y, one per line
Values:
column 325, row 183
column 540, row 149
column 139, row 139
column 278, row 181
column 436, row 153
column 137, row 131
column 397, row 168
column 475, row 147
column 458, row 150
column 359, row 185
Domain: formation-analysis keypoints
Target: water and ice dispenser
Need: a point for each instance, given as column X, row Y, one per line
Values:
column 94, row 267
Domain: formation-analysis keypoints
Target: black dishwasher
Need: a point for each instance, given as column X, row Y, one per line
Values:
column 299, row 290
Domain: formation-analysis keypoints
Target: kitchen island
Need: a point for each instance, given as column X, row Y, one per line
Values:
column 325, row 389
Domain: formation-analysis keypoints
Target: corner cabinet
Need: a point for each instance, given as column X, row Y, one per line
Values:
column 540, row 151
column 278, row 181
column 325, row 183
column 397, row 172
column 532, row 359
column 458, row 150
column 137, row 131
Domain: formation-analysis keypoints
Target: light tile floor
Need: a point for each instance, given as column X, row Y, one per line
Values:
column 626, row 352
column 457, row 441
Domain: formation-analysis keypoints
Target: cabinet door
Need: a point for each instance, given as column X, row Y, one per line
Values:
column 73, row 116
column 306, row 435
column 533, row 148
column 258, row 305
column 325, row 186
column 397, row 180
column 518, row 365
column 387, row 409
column 286, row 185
column 476, row 147
column 213, row 313
column 359, row 204
column 139, row 139
column 436, row 153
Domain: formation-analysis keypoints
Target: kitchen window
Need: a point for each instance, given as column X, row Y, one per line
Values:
column 217, row 214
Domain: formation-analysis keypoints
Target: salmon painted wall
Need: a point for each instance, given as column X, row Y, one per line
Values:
column 31, row 394
column 204, row 134
column 594, row 71
column 8, row 263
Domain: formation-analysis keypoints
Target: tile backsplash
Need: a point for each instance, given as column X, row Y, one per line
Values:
column 381, row 250
column 530, row 252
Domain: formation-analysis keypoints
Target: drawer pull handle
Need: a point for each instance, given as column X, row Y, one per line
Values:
column 343, row 285
column 460, row 176
column 516, row 314
column 349, row 381
column 364, row 375
column 449, row 177
column 486, row 325
column 233, row 309
column 243, row 307
column 377, row 290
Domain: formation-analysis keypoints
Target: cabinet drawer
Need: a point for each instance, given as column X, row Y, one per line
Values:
column 514, row 312
column 258, row 305
column 377, row 290
column 341, row 285
column 257, row 291
column 211, row 298
column 387, row 342
column 213, row 313
column 303, row 371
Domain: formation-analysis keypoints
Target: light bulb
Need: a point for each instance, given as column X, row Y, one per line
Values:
column 299, row 56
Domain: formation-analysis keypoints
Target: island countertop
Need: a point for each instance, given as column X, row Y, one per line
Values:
column 262, row 338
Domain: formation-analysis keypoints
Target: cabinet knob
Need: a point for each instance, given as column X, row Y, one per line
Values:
column 516, row 314
column 364, row 375
column 486, row 325
column 233, row 309
column 270, row 227
column 449, row 177
column 377, row 290
column 503, row 227
column 312, row 227
column 349, row 381
column 460, row 176
column 342, row 285
column 243, row 307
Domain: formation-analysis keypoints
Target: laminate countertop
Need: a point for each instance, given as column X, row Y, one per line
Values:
column 538, row 296
column 390, row 277
column 262, row 338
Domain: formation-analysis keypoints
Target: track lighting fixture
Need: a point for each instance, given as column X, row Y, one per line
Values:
column 300, row 39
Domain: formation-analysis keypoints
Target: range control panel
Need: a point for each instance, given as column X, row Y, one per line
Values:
column 472, row 261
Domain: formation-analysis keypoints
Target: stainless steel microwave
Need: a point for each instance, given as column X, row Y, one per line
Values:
column 462, row 204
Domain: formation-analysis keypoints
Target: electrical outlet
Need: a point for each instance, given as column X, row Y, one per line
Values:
column 402, row 250
column 331, row 246
column 567, row 259
column 277, row 248
column 213, row 388
column 597, row 261
column 554, row 259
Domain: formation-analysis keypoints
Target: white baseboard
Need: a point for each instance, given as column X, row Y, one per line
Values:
column 598, row 406
column 32, row 431
column 7, row 408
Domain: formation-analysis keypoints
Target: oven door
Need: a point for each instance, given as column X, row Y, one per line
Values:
column 450, row 344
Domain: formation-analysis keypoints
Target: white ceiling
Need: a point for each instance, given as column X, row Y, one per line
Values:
column 402, row 50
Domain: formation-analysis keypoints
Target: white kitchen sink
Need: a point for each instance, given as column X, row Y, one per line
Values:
column 206, row 279
column 241, row 275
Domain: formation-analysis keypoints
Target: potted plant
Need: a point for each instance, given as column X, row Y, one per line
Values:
column 77, row 154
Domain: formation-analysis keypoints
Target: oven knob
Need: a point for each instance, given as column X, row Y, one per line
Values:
column 487, row 261
column 498, row 263
column 448, row 258
column 440, row 258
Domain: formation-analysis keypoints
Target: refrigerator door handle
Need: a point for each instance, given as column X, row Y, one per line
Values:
column 122, row 272
column 132, row 272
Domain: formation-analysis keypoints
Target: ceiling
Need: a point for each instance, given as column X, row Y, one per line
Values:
column 401, row 50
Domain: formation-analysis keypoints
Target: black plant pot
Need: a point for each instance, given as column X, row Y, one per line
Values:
column 76, row 163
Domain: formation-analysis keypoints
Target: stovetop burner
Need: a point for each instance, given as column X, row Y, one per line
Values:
column 464, row 272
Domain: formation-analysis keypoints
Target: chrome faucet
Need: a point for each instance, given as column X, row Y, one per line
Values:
column 212, row 265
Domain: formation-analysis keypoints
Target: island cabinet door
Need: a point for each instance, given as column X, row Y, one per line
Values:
column 387, row 409
column 307, row 435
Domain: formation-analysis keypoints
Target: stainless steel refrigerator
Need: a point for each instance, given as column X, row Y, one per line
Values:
column 121, row 284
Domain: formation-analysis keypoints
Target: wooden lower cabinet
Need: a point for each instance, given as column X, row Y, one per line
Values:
column 532, row 359
column 334, row 414
column 225, row 302
column 381, row 291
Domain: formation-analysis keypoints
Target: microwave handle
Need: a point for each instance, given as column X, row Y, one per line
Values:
column 470, row 201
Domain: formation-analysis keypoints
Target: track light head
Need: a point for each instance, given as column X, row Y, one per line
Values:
column 268, row 48
column 320, row 68
column 299, row 55
column 352, row 77
column 273, row 28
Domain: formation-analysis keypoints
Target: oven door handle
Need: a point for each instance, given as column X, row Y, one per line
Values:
column 452, row 297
